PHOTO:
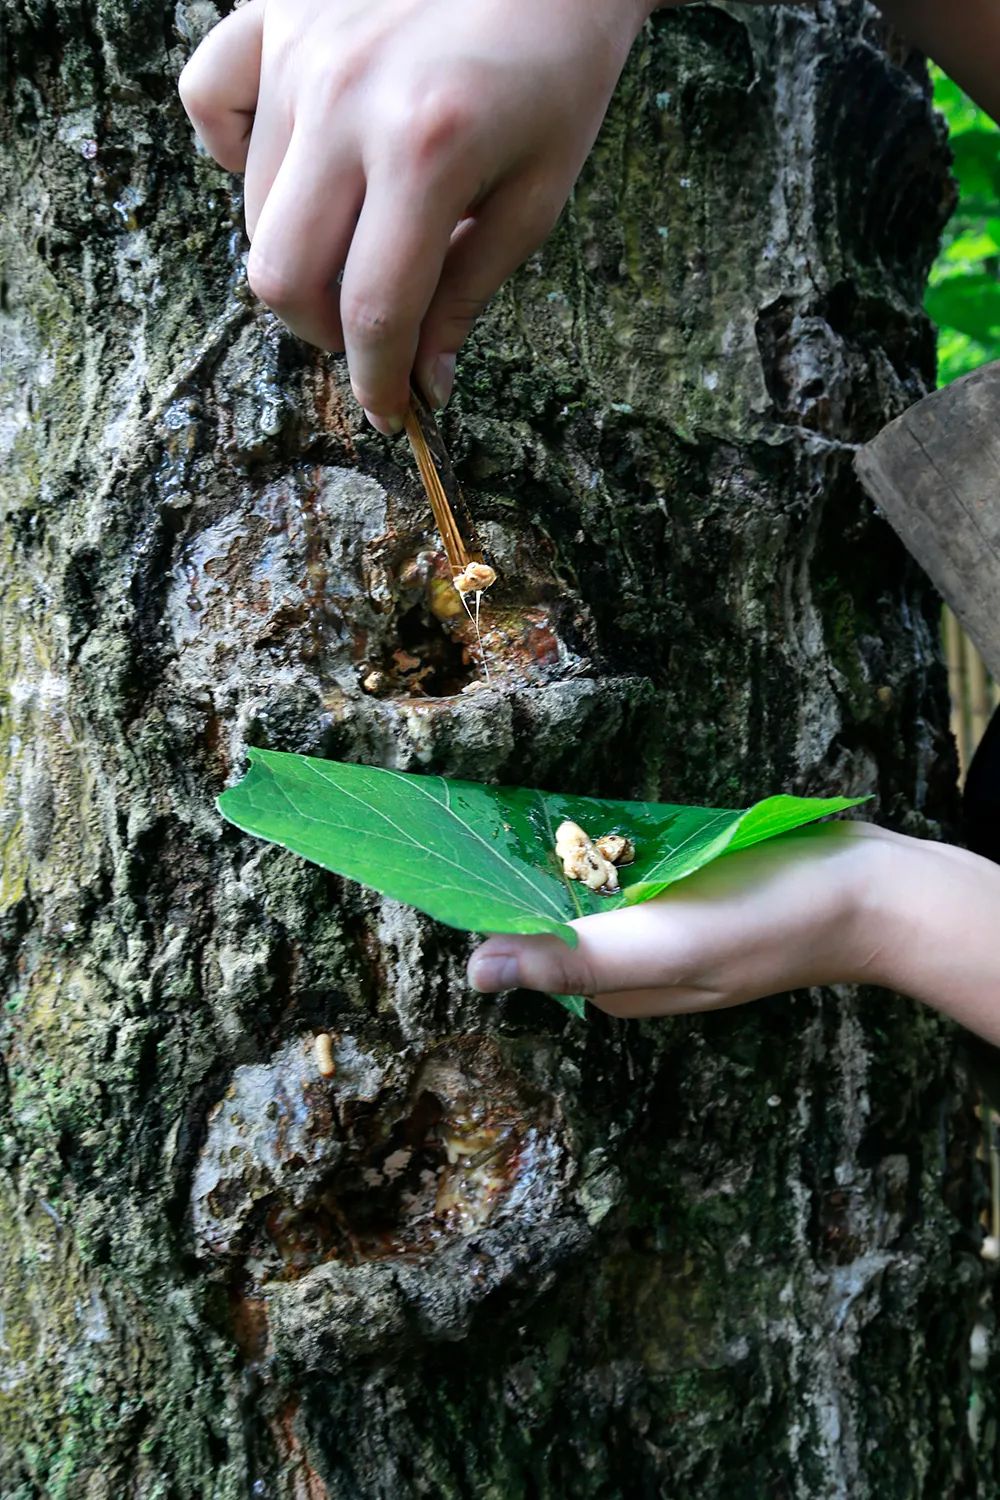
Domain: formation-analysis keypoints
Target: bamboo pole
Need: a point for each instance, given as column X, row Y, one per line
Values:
column 980, row 697
column 974, row 694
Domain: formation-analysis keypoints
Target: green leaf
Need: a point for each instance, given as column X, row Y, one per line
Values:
column 959, row 355
column 575, row 1004
column 968, row 321
column 959, row 111
column 973, row 245
column 977, row 163
column 483, row 858
column 728, row 833
column 970, row 303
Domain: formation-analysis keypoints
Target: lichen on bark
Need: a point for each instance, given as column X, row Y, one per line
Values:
column 733, row 1254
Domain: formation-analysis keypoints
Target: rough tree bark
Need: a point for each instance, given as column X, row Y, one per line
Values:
column 734, row 1255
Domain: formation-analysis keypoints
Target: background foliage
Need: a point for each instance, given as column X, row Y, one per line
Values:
column 964, row 293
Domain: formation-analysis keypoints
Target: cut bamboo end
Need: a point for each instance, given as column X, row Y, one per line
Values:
column 975, row 696
column 457, row 553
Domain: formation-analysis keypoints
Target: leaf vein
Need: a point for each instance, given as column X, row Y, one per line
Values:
column 409, row 841
column 495, row 853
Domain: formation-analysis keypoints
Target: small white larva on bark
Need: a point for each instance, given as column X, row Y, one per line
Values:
column 323, row 1047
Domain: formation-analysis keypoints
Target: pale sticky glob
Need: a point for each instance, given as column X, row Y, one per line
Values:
column 593, row 861
column 475, row 578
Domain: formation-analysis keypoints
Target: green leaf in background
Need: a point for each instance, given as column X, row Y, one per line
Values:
column 971, row 245
column 959, row 355
column 970, row 303
column 958, row 109
column 483, row 858
column 977, row 164
column 964, row 291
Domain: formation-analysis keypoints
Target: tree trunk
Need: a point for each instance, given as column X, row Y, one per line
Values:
column 502, row 1252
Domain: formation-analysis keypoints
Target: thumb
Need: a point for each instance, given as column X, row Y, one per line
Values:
column 530, row 963
column 633, row 948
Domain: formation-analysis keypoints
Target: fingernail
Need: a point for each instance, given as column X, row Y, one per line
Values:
column 493, row 972
column 440, row 379
column 388, row 426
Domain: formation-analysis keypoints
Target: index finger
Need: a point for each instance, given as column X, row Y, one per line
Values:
column 392, row 271
column 220, row 83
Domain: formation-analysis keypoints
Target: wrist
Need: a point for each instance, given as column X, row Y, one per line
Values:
column 867, row 920
column 926, row 917
column 877, row 909
column 898, row 907
column 621, row 23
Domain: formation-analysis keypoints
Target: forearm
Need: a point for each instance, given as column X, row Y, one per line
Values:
column 964, row 38
column 933, row 930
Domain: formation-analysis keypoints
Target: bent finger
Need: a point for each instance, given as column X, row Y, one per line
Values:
column 270, row 140
column 302, row 237
column 220, row 83
column 392, row 270
column 487, row 249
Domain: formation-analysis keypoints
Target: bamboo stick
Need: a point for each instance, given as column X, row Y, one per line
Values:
column 454, row 546
column 442, row 488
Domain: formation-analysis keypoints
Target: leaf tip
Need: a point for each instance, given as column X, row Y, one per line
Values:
column 575, row 1004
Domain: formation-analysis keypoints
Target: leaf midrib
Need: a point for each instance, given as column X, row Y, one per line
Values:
column 404, row 842
column 491, row 849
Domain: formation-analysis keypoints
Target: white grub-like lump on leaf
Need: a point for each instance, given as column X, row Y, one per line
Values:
column 593, row 862
column 589, row 866
column 569, row 838
column 617, row 848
